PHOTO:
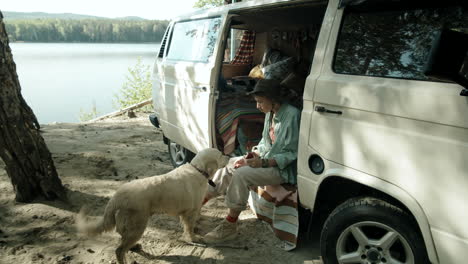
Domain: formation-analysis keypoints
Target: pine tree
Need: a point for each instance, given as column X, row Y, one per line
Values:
column 28, row 161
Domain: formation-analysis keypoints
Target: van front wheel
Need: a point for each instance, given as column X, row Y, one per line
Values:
column 178, row 154
column 368, row 230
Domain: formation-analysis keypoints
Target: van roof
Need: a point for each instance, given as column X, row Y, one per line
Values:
column 206, row 12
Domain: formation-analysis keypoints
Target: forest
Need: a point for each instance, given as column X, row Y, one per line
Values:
column 85, row 30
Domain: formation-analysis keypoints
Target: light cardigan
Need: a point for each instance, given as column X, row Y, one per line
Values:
column 284, row 150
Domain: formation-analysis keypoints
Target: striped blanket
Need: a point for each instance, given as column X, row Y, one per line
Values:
column 230, row 109
column 244, row 54
column 277, row 205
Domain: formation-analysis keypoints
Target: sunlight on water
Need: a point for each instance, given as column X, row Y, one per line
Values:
column 59, row 79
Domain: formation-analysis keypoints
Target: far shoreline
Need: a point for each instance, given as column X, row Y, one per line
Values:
column 82, row 42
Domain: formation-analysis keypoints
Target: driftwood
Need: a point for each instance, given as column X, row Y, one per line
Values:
column 122, row 111
column 28, row 161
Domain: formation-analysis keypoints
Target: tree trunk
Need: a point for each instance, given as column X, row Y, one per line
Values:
column 28, row 161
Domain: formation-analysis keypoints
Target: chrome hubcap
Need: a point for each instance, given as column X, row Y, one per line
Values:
column 373, row 243
column 177, row 153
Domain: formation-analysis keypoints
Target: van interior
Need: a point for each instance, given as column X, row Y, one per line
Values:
column 275, row 42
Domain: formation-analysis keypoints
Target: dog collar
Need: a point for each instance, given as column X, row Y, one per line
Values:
column 204, row 173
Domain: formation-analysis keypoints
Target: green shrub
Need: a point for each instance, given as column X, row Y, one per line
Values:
column 86, row 116
column 136, row 88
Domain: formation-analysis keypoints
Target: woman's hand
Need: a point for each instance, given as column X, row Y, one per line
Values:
column 244, row 160
column 255, row 162
column 251, row 155
column 240, row 163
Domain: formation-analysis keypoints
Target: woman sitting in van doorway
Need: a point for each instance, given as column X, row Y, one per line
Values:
column 273, row 160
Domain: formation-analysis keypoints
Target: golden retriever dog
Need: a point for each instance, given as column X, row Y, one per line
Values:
column 179, row 193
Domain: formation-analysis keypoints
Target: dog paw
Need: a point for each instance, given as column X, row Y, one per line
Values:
column 136, row 248
column 197, row 239
column 192, row 239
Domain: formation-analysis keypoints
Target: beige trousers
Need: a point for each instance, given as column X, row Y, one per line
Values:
column 236, row 183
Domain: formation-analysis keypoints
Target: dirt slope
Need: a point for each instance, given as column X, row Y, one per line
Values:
column 93, row 160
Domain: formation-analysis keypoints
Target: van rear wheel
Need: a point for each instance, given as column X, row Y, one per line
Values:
column 368, row 230
column 178, row 154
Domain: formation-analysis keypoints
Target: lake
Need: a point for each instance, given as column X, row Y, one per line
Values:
column 58, row 80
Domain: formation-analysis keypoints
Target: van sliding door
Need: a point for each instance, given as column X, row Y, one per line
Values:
column 188, row 95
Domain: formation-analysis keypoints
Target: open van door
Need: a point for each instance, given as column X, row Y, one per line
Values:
column 184, row 88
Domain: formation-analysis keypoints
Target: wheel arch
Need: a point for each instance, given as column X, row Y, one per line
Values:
column 178, row 154
column 334, row 190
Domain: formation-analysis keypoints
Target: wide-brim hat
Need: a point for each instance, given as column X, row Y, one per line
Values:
column 267, row 87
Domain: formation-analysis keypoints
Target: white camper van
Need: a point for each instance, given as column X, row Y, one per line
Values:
column 382, row 86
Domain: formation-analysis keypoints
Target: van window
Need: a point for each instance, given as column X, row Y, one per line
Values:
column 393, row 43
column 194, row 40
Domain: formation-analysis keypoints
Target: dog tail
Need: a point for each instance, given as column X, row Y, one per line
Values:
column 95, row 227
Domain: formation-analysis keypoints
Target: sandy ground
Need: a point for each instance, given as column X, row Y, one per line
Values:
column 93, row 160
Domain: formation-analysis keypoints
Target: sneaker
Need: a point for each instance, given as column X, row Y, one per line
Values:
column 224, row 232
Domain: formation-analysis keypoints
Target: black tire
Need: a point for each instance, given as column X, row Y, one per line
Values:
column 178, row 154
column 356, row 231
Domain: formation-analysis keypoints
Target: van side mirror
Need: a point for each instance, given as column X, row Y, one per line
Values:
column 448, row 58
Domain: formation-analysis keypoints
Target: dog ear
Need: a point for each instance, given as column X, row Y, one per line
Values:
column 211, row 167
column 210, row 160
column 210, row 172
column 200, row 159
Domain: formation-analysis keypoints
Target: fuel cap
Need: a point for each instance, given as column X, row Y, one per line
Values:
column 316, row 164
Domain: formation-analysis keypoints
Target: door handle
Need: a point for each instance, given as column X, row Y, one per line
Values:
column 203, row 88
column 322, row 109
